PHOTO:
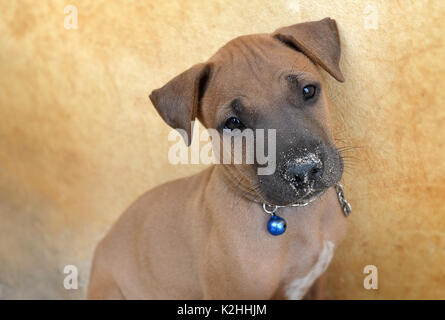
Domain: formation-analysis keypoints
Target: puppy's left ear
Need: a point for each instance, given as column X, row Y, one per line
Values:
column 318, row 40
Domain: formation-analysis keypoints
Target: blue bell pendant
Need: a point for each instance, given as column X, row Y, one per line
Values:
column 276, row 225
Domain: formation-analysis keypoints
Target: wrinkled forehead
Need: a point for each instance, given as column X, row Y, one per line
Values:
column 254, row 63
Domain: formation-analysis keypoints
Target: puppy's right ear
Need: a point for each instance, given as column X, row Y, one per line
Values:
column 178, row 101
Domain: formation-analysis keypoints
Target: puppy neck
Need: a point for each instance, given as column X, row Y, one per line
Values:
column 238, row 183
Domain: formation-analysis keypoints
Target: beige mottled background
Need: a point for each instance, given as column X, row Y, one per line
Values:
column 79, row 139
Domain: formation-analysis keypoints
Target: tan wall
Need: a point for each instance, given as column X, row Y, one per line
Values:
column 79, row 139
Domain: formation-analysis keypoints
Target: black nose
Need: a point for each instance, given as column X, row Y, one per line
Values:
column 305, row 171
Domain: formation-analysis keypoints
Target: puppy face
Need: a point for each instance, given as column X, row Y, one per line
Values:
column 258, row 82
column 270, row 82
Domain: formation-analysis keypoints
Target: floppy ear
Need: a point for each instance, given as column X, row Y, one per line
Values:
column 177, row 102
column 318, row 40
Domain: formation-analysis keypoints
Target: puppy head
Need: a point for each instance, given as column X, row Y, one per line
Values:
column 270, row 82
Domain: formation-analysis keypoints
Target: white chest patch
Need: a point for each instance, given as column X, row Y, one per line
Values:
column 298, row 288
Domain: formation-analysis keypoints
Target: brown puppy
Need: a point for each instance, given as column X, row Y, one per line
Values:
column 205, row 237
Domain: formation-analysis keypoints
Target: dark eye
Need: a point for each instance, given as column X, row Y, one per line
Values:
column 309, row 92
column 234, row 123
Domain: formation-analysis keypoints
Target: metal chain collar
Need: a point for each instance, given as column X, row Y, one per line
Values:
column 345, row 205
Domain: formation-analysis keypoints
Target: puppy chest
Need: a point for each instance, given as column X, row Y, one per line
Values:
column 299, row 281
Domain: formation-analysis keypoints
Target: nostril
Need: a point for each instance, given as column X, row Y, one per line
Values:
column 299, row 179
column 315, row 171
column 303, row 171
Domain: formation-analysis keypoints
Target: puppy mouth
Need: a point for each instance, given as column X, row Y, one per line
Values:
column 301, row 198
column 309, row 196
